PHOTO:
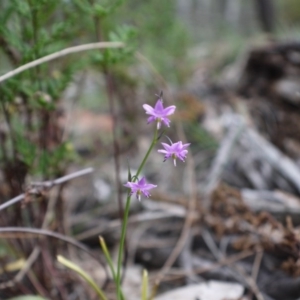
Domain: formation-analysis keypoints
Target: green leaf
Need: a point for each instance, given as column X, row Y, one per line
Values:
column 108, row 257
column 26, row 149
column 100, row 11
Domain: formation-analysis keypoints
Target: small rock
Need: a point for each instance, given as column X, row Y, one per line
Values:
column 211, row 290
column 288, row 90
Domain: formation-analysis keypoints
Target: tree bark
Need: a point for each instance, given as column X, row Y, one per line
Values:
column 266, row 14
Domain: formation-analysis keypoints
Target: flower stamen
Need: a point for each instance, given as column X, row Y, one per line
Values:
column 158, row 113
column 175, row 150
column 140, row 187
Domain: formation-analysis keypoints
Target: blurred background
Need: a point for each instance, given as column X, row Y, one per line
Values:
column 232, row 69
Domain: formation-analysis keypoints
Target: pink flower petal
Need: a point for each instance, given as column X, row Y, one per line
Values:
column 148, row 109
column 169, row 110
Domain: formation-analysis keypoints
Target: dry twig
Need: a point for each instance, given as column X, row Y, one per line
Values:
column 218, row 255
column 177, row 274
column 38, row 232
column 45, row 184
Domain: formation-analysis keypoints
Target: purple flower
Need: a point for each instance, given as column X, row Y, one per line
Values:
column 176, row 150
column 140, row 187
column 159, row 113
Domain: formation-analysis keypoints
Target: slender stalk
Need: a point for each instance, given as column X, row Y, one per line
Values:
column 154, row 141
column 116, row 146
column 109, row 261
column 19, row 231
column 125, row 219
column 55, row 55
column 109, row 85
column 122, row 241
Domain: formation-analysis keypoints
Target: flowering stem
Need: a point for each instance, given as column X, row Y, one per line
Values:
column 154, row 141
column 125, row 219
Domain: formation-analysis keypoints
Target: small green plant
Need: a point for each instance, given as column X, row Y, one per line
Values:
column 34, row 36
column 159, row 115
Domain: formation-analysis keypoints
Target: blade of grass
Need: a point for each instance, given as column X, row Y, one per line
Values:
column 145, row 285
column 67, row 263
column 108, row 257
column 109, row 261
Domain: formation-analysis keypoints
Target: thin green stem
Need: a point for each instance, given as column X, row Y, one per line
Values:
column 125, row 219
column 109, row 261
column 120, row 254
column 154, row 141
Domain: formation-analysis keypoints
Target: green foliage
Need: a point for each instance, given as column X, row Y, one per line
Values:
column 31, row 101
column 111, row 57
column 162, row 37
column 26, row 149
column 31, row 112
column 289, row 11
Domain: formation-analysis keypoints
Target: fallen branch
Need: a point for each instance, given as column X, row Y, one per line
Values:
column 277, row 201
column 283, row 164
